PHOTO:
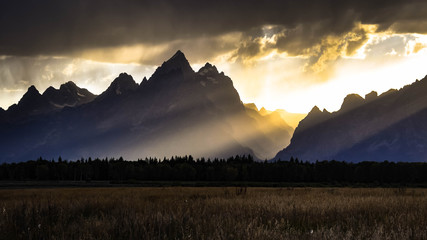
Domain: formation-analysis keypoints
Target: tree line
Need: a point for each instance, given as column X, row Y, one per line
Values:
column 237, row 168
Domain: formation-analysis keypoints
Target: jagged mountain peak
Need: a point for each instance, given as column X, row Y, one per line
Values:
column 177, row 112
column 65, row 87
column 124, row 77
column 68, row 94
column 208, row 69
column 31, row 103
column 49, row 89
column 314, row 117
column 124, row 80
column 122, row 84
column 391, row 91
column 178, row 56
column 371, row 96
column 386, row 127
column 177, row 62
column 314, row 111
column 352, row 101
column 32, row 90
column 68, row 85
column 31, row 95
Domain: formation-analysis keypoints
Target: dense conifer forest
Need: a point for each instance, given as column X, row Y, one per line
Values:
column 238, row 168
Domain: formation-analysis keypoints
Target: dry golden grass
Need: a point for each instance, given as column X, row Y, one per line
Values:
column 213, row 213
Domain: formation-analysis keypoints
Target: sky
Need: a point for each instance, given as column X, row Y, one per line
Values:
column 283, row 54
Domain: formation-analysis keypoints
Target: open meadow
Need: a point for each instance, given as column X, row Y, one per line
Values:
column 213, row 213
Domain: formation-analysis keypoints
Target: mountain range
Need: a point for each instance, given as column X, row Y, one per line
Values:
column 391, row 126
column 34, row 103
column 177, row 111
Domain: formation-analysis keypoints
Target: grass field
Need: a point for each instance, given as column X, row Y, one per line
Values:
column 213, row 213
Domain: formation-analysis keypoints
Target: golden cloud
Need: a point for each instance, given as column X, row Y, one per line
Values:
column 418, row 47
column 319, row 52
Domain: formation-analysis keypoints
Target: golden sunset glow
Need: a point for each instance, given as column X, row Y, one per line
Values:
column 292, row 64
column 173, row 119
column 278, row 81
column 274, row 80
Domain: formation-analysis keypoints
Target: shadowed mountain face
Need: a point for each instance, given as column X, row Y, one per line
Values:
column 175, row 112
column 68, row 95
column 386, row 127
column 33, row 103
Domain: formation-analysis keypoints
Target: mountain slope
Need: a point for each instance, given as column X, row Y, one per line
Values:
column 2, row 114
column 290, row 119
column 177, row 111
column 68, row 95
column 375, row 128
column 403, row 141
column 271, row 123
column 33, row 103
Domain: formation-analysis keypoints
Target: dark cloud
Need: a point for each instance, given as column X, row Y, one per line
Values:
column 52, row 27
column 249, row 49
column 360, row 38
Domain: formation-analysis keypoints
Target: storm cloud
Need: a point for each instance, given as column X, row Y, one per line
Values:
column 41, row 39
column 52, row 27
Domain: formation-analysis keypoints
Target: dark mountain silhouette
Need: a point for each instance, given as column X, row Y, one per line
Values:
column 351, row 101
column 313, row 118
column 177, row 111
column 33, row 103
column 68, row 95
column 386, row 127
column 371, row 96
column 177, row 62
column 123, row 84
column 2, row 113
